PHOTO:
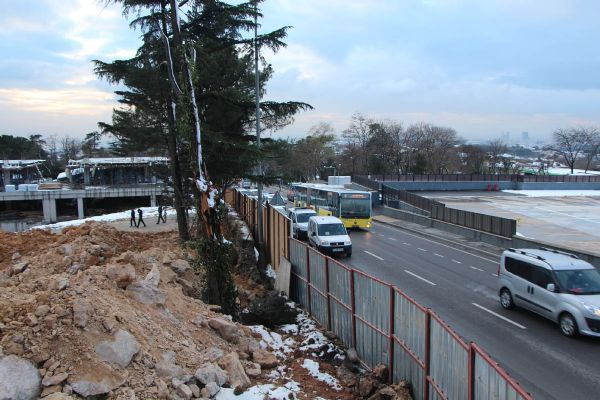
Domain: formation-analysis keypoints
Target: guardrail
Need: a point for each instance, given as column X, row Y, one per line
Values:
column 386, row 326
column 367, row 180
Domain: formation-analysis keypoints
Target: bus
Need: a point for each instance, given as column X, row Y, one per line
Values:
column 353, row 207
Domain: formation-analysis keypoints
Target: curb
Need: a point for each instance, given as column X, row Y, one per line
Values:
column 437, row 238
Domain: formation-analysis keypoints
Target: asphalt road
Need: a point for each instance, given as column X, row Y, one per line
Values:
column 461, row 288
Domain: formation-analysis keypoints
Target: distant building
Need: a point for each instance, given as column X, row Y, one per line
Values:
column 525, row 137
column 16, row 172
column 113, row 170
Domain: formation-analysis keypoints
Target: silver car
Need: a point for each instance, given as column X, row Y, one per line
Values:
column 553, row 284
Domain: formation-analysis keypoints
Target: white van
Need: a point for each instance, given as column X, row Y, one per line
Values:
column 554, row 284
column 300, row 217
column 329, row 236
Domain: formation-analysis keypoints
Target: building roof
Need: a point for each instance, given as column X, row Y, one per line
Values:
column 116, row 161
column 19, row 164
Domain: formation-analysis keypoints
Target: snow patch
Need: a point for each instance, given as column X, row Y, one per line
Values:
column 555, row 193
column 258, row 392
column 274, row 340
column 313, row 369
column 270, row 272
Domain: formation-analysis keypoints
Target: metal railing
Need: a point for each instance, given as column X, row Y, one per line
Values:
column 386, row 326
column 373, row 180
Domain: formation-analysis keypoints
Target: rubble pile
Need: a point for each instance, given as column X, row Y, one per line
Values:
column 94, row 312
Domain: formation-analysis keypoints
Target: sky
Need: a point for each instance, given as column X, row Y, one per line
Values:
column 488, row 69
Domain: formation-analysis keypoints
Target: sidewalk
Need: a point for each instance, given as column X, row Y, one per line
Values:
column 446, row 238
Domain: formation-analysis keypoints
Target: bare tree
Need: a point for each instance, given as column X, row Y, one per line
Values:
column 592, row 147
column 569, row 144
column 496, row 148
column 357, row 137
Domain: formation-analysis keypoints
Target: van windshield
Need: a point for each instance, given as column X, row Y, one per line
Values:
column 332, row 229
column 301, row 218
column 582, row 281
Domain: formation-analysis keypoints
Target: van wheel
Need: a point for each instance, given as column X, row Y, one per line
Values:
column 506, row 300
column 568, row 325
column 348, row 255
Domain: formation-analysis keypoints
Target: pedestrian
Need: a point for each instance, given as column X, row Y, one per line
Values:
column 160, row 216
column 165, row 214
column 140, row 220
column 132, row 219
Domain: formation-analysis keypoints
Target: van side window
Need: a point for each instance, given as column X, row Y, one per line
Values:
column 541, row 276
column 520, row 268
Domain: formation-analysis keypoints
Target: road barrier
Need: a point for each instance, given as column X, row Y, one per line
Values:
column 381, row 322
column 373, row 180
column 386, row 326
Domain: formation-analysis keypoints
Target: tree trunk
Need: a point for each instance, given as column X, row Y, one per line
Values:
column 182, row 225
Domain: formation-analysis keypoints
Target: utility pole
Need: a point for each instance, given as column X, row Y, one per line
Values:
column 260, row 173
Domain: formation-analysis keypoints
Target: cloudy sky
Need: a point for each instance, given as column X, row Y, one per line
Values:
column 485, row 68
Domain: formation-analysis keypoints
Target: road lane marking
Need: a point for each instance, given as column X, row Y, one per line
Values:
column 439, row 255
column 382, row 235
column 496, row 275
column 567, row 215
column 394, row 239
column 478, row 269
column 419, row 277
column 373, row 255
column 422, row 249
column 499, row 316
column 456, row 261
column 408, row 244
column 441, row 244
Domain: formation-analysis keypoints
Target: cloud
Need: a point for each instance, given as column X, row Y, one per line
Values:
column 83, row 102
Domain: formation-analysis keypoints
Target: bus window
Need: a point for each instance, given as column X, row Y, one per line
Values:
column 355, row 206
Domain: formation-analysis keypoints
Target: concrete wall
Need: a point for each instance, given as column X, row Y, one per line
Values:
column 475, row 235
column 558, row 186
column 400, row 205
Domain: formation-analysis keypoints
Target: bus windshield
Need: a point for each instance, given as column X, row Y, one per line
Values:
column 355, row 208
column 332, row 229
column 582, row 282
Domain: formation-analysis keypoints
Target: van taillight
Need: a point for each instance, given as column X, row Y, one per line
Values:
column 498, row 274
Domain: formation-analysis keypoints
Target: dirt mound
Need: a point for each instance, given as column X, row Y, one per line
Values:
column 100, row 312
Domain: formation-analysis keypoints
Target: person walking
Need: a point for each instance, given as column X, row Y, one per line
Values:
column 140, row 219
column 160, row 216
column 132, row 219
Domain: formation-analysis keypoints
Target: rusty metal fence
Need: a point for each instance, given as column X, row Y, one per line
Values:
column 386, row 326
column 276, row 226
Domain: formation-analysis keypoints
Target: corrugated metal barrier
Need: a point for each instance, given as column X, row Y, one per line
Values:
column 386, row 326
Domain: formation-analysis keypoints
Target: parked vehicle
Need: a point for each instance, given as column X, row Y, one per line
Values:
column 300, row 217
column 329, row 235
column 554, row 284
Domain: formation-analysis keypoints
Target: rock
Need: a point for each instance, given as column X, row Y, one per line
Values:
column 126, row 394
column 366, row 386
column 80, row 313
column 120, row 351
column 352, row 356
column 199, row 321
column 237, row 376
column 208, row 373
column 153, row 277
column 14, row 348
column 180, row 267
column 187, row 287
column 76, row 267
column 30, row 320
column 210, row 390
column 195, row 390
column 163, row 389
column 39, row 355
column 50, row 390
column 67, row 390
column 122, row 274
column 145, row 293
column 55, row 379
column 270, row 311
column 264, row 358
column 380, row 371
column 16, row 255
column 59, row 396
column 66, row 249
column 213, row 354
column 253, row 369
column 248, row 345
column 19, row 379
column 227, row 330
column 99, row 381
column 42, row 310
column 167, row 367
column 109, row 324
column 184, row 391
column 18, row 268
column 61, row 283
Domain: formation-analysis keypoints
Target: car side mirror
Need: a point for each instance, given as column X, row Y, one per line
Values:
column 551, row 287
column 313, row 234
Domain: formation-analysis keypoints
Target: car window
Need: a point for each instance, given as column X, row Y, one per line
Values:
column 332, row 229
column 541, row 276
column 301, row 218
column 520, row 268
column 581, row 282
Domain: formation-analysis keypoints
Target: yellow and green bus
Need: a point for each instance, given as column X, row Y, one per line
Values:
column 353, row 207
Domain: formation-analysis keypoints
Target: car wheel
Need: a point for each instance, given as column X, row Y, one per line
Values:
column 568, row 325
column 349, row 254
column 506, row 300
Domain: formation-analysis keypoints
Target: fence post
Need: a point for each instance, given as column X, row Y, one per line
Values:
column 391, row 345
column 471, row 372
column 353, row 304
column 327, row 292
column 308, row 279
column 427, row 355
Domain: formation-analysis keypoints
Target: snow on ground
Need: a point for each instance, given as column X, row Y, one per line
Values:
column 567, row 171
column 274, row 341
column 314, row 340
column 260, row 392
column 270, row 272
column 313, row 369
column 554, row 193
column 148, row 213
